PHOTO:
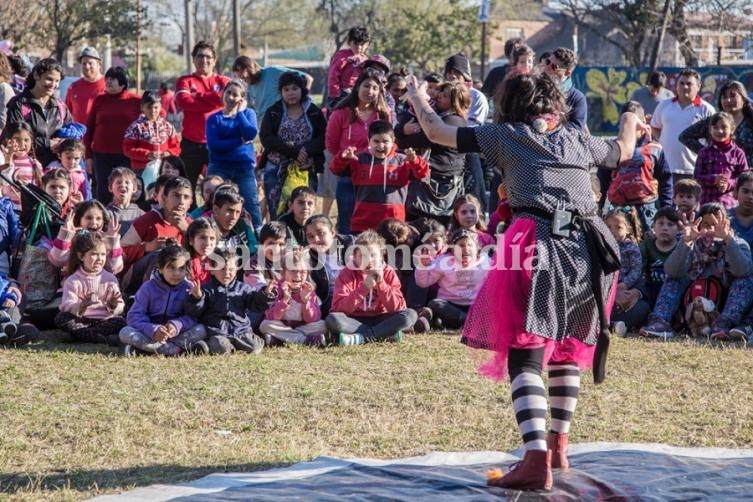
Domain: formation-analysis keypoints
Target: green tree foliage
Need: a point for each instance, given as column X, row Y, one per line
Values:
column 426, row 32
column 66, row 23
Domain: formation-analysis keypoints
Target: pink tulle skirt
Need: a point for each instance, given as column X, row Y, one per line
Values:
column 496, row 320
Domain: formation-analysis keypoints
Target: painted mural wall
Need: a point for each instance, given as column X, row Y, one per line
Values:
column 608, row 88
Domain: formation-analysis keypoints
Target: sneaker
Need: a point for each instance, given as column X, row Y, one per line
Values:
column 396, row 338
column 25, row 333
column 720, row 331
column 129, row 351
column 199, row 348
column 742, row 332
column 315, row 341
column 619, row 329
column 354, row 339
column 422, row 325
column 426, row 313
column 271, row 341
column 9, row 329
column 657, row 329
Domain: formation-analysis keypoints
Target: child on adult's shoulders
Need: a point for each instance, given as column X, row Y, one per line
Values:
column 300, row 208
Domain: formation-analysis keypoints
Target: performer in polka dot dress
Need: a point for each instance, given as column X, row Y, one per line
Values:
column 546, row 302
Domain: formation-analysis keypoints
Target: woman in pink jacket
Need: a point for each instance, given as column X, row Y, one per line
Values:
column 348, row 125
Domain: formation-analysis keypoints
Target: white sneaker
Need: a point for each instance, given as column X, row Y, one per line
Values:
column 619, row 329
column 354, row 339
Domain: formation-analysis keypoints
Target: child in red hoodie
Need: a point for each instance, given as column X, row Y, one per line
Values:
column 380, row 176
column 367, row 304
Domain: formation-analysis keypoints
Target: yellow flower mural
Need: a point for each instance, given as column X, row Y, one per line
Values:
column 610, row 87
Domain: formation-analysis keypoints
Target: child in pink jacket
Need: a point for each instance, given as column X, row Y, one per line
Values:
column 367, row 304
column 294, row 316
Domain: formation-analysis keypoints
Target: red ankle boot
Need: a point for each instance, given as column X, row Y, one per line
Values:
column 534, row 472
column 557, row 444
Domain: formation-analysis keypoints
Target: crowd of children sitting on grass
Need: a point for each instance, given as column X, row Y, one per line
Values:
column 153, row 273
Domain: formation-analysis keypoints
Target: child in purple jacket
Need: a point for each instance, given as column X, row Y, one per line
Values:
column 157, row 322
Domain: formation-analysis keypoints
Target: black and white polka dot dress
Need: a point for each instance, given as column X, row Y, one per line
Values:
column 540, row 171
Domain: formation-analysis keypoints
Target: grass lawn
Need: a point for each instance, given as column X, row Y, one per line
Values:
column 80, row 421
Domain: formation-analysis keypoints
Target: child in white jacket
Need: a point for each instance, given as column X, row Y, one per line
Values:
column 460, row 273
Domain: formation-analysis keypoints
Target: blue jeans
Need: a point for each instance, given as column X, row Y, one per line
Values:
column 271, row 178
column 346, row 202
column 243, row 175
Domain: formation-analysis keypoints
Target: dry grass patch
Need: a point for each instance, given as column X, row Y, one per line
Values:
column 80, row 421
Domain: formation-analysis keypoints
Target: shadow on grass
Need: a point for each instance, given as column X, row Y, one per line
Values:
column 125, row 479
column 686, row 338
column 59, row 341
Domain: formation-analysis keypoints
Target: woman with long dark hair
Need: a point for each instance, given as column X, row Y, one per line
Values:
column 348, row 125
column 545, row 303
column 38, row 106
column 447, row 164
column 733, row 99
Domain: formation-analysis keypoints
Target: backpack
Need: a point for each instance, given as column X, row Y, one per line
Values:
column 633, row 182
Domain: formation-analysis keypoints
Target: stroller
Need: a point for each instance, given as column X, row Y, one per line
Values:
column 41, row 219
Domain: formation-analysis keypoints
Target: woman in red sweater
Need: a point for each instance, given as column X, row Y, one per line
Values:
column 111, row 114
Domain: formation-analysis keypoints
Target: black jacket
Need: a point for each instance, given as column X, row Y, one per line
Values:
column 270, row 125
column 43, row 121
column 223, row 310
column 442, row 159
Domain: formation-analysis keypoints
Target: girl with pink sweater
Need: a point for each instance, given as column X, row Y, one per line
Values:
column 91, row 306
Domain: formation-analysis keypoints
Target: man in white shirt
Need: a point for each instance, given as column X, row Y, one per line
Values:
column 672, row 116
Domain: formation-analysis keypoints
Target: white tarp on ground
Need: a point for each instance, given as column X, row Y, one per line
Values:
column 612, row 471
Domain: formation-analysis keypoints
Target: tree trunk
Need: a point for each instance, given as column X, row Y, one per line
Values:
column 656, row 53
column 679, row 30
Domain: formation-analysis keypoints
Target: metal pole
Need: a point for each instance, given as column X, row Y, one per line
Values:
column 138, row 46
column 189, row 36
column 236, row 27
column 483, row 51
